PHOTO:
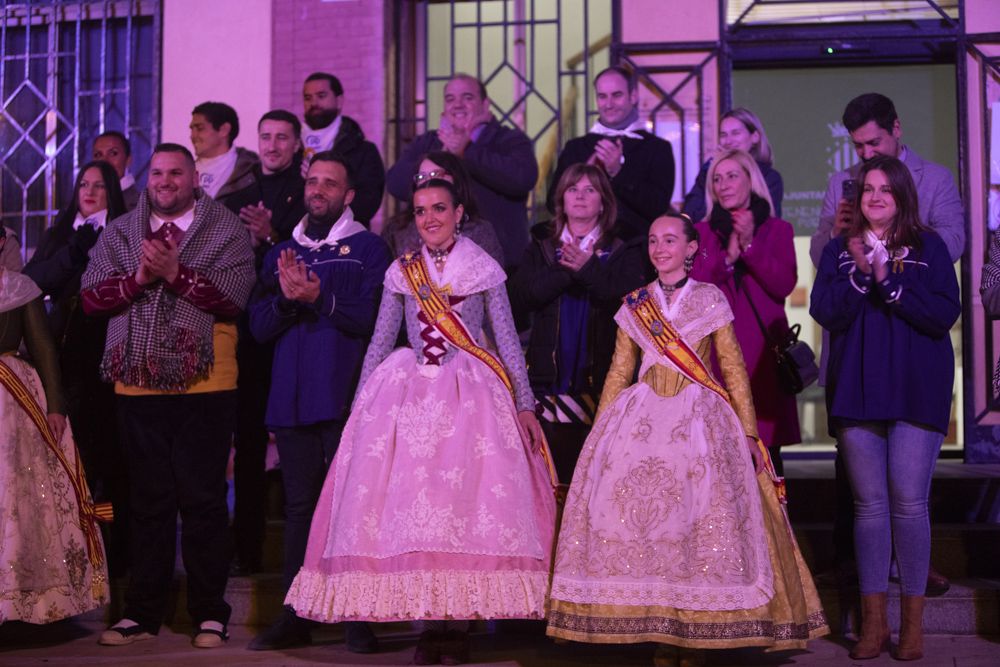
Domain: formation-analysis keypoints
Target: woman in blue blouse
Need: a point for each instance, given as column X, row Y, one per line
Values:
column 888, row 294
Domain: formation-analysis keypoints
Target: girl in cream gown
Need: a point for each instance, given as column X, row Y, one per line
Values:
column 668, row 534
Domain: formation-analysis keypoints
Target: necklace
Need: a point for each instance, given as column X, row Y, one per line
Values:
column 668, row 290
column 439, row 255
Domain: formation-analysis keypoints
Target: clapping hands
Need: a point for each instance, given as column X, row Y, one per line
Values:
column 159, row 260
column 297, row 282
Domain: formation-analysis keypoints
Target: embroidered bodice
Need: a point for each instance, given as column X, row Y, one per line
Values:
column 702, row 316
column 468, row 268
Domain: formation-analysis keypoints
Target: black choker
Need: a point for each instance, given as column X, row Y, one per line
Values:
column 668, row 290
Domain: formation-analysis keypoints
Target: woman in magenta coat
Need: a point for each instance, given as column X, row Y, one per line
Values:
column 749, row 254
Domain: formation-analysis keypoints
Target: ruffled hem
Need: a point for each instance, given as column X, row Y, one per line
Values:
column 418, row 595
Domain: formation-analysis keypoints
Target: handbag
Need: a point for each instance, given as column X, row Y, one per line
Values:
column 796, row 362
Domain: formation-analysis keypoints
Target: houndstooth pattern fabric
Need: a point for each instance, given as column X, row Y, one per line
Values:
column 163, row 341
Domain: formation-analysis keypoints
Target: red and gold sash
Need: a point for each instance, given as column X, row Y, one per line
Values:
column 90, row 513
column 439, row 314
column 669, row 342
column 447, row 322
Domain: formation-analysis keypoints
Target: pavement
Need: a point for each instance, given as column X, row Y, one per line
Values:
column 74, row 643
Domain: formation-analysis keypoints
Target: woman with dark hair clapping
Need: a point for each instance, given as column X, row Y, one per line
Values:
column 888, row 295
column 56, row 267
column 569, row 284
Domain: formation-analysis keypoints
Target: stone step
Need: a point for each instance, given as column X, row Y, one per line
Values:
column 970, row 607
column 957, row 550
column 960, row 492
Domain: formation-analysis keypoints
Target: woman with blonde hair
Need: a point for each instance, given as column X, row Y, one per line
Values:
column 739, row 129
column 749, row 254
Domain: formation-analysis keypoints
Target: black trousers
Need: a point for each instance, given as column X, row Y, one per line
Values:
column 249, row 477
column 177, row 448
column 305, row 453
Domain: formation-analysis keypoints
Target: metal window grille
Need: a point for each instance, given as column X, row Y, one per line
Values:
column 536, row 58
column 69, row 71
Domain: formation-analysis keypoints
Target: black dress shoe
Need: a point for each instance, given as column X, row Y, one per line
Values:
column 455, row 648
column 360, row 638
column 242, row 568
column 289, row 631
column 428, row 648
column 937, row 583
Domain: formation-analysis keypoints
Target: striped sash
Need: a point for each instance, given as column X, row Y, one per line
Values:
column 90, row 513
column 437, row 310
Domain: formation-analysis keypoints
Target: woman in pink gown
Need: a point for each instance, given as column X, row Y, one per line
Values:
column 439, row 504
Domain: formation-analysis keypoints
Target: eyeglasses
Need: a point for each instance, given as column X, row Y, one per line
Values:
column 422, row 176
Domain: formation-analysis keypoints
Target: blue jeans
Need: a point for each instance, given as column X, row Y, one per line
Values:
column 890, row 465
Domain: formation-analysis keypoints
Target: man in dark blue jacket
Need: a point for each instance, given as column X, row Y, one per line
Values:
column 500, row 160
column 317, row 299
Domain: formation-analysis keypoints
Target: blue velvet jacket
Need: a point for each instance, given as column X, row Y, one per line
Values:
column 890, row 349
column 319, row 347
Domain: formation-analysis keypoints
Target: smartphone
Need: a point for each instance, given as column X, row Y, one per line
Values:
column 849, row 189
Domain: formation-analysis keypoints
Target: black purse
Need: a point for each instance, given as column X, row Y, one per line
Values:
column 796, row 362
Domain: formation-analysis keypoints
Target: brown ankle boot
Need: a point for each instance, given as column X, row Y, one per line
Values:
column 911, row 628
column 874, row 627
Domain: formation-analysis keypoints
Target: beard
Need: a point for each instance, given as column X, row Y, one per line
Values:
column 324, row 212
column 318, row 119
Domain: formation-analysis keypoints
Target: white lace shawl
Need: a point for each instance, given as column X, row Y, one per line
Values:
column 468, row 270
column 698, row 310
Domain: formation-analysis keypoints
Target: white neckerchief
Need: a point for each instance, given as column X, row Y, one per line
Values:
column 878, row 254
column 127, row 181
column 183, row 221
column 213, row 172
column 345, row 226
column 631, row 132
column 97, row 220
column 315, row 141
column 586, row 243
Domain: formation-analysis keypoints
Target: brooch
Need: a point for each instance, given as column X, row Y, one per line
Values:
column 425, row 292
column 656, row 327
column 345, row 249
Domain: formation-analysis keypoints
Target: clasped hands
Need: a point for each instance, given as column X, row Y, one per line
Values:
column 856, row 248
column 158, row 261
column 742, row 235
column 297, row 282
column 456, row 139
column 608, row 154
column 258, row 219
column 573, row 257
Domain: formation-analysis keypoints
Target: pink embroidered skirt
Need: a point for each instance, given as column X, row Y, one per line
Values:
column 434, row 507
